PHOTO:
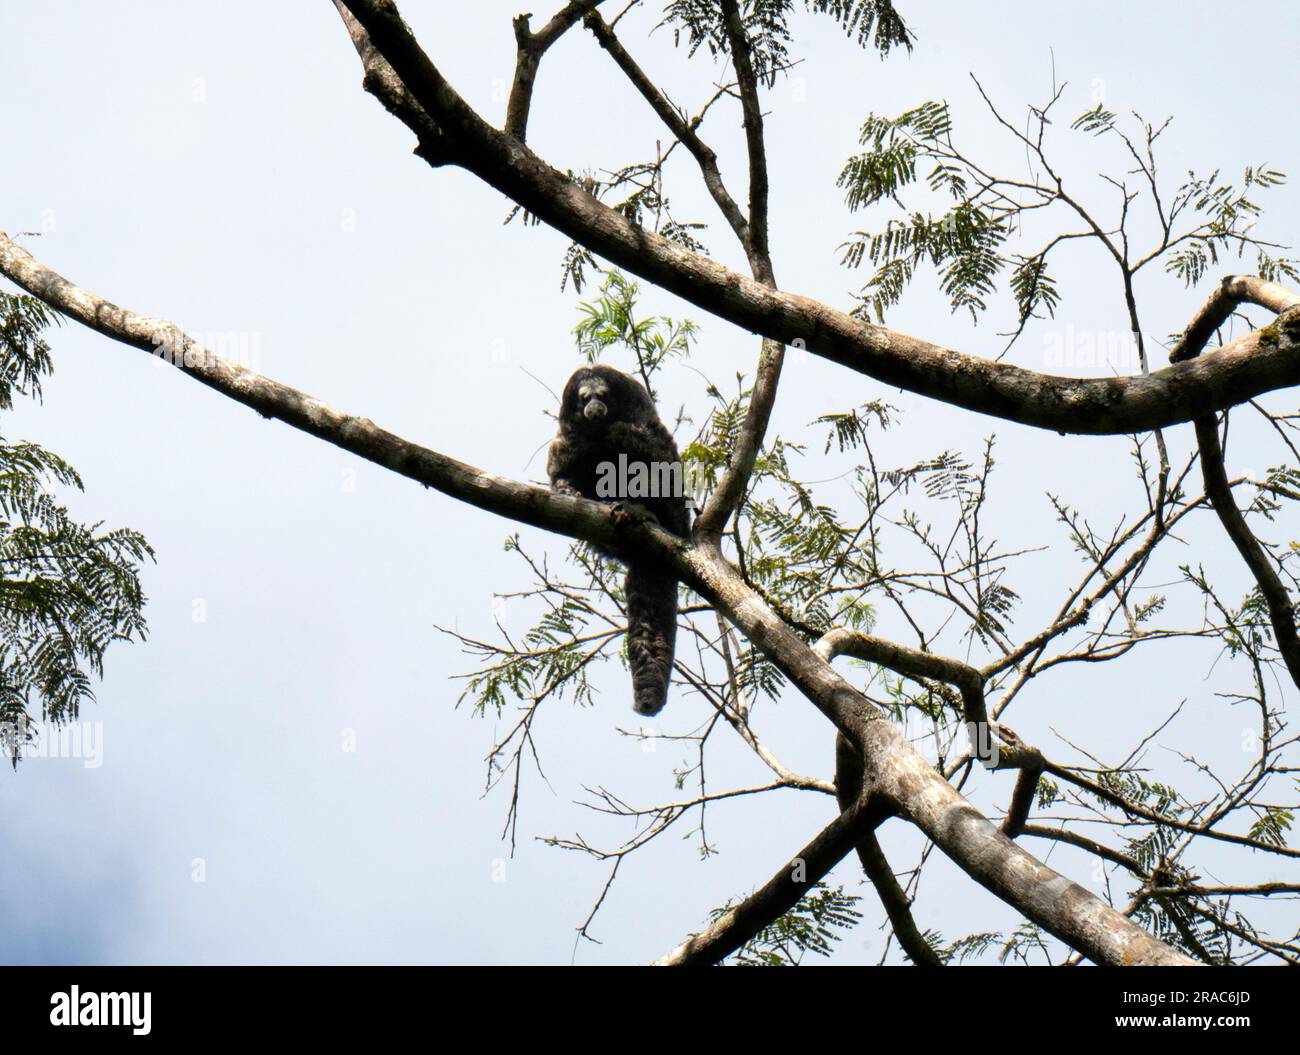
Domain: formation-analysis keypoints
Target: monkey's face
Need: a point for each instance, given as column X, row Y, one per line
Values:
column 593, row 398
column 597, row 396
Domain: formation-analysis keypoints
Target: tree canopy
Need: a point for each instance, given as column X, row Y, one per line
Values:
column 809, row 550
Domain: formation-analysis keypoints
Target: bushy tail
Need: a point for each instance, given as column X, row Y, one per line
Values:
column 651, row 633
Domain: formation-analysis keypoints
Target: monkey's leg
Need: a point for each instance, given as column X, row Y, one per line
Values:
column 651, row 634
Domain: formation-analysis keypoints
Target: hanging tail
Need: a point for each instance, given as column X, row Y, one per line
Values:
column 651, row 599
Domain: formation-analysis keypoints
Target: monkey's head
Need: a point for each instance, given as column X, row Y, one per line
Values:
column 598, row 395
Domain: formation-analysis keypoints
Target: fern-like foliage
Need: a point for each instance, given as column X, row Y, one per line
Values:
column 24, row 353
column 610, row 320
column 963, row 242
column 1201, row 222
column 893, row 145
column 67, row 590
column 810, row 928
column 1227, row 213
column 698, row 24
column 871, row 23
column 1033, row 288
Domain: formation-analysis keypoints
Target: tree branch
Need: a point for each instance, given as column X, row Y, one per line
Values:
column 849, row 786
column 774, row 898
column 1232, row 291
column 566, row 515
column 1281, row 610
column 381, row 81
column 899, row 658
column 1064, row 835
column 531, row 47
column 742, row 60
column 1022, row 799
column 1135, row 810
column 898, row 907
column 1062, row 907
column 1097, row 406
column 752, row 234
column 677, row 124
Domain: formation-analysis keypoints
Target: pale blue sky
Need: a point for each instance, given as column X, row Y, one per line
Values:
column 219, row 164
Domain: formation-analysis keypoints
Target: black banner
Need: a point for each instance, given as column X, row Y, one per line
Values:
column 337, row 1003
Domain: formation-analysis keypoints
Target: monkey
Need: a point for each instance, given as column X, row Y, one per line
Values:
column 609, row 430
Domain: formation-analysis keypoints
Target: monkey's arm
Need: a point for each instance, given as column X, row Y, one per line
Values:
column 561, row 467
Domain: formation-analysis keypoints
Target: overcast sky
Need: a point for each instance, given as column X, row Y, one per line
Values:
column 220, row 165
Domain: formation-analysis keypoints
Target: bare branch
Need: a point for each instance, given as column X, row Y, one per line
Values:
column 677, row 124
column 1135, row 810
column 753, row 123
column 898, row 906
column 531, row 47
column 1064, row 835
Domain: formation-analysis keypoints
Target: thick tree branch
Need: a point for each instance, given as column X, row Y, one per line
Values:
column 1064, row 908
column 900, row 659
column 1100, row 406
column 1022, row 798
column 970, row 682
column 1281, row 609
column 892, row 770
column 382, row 82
